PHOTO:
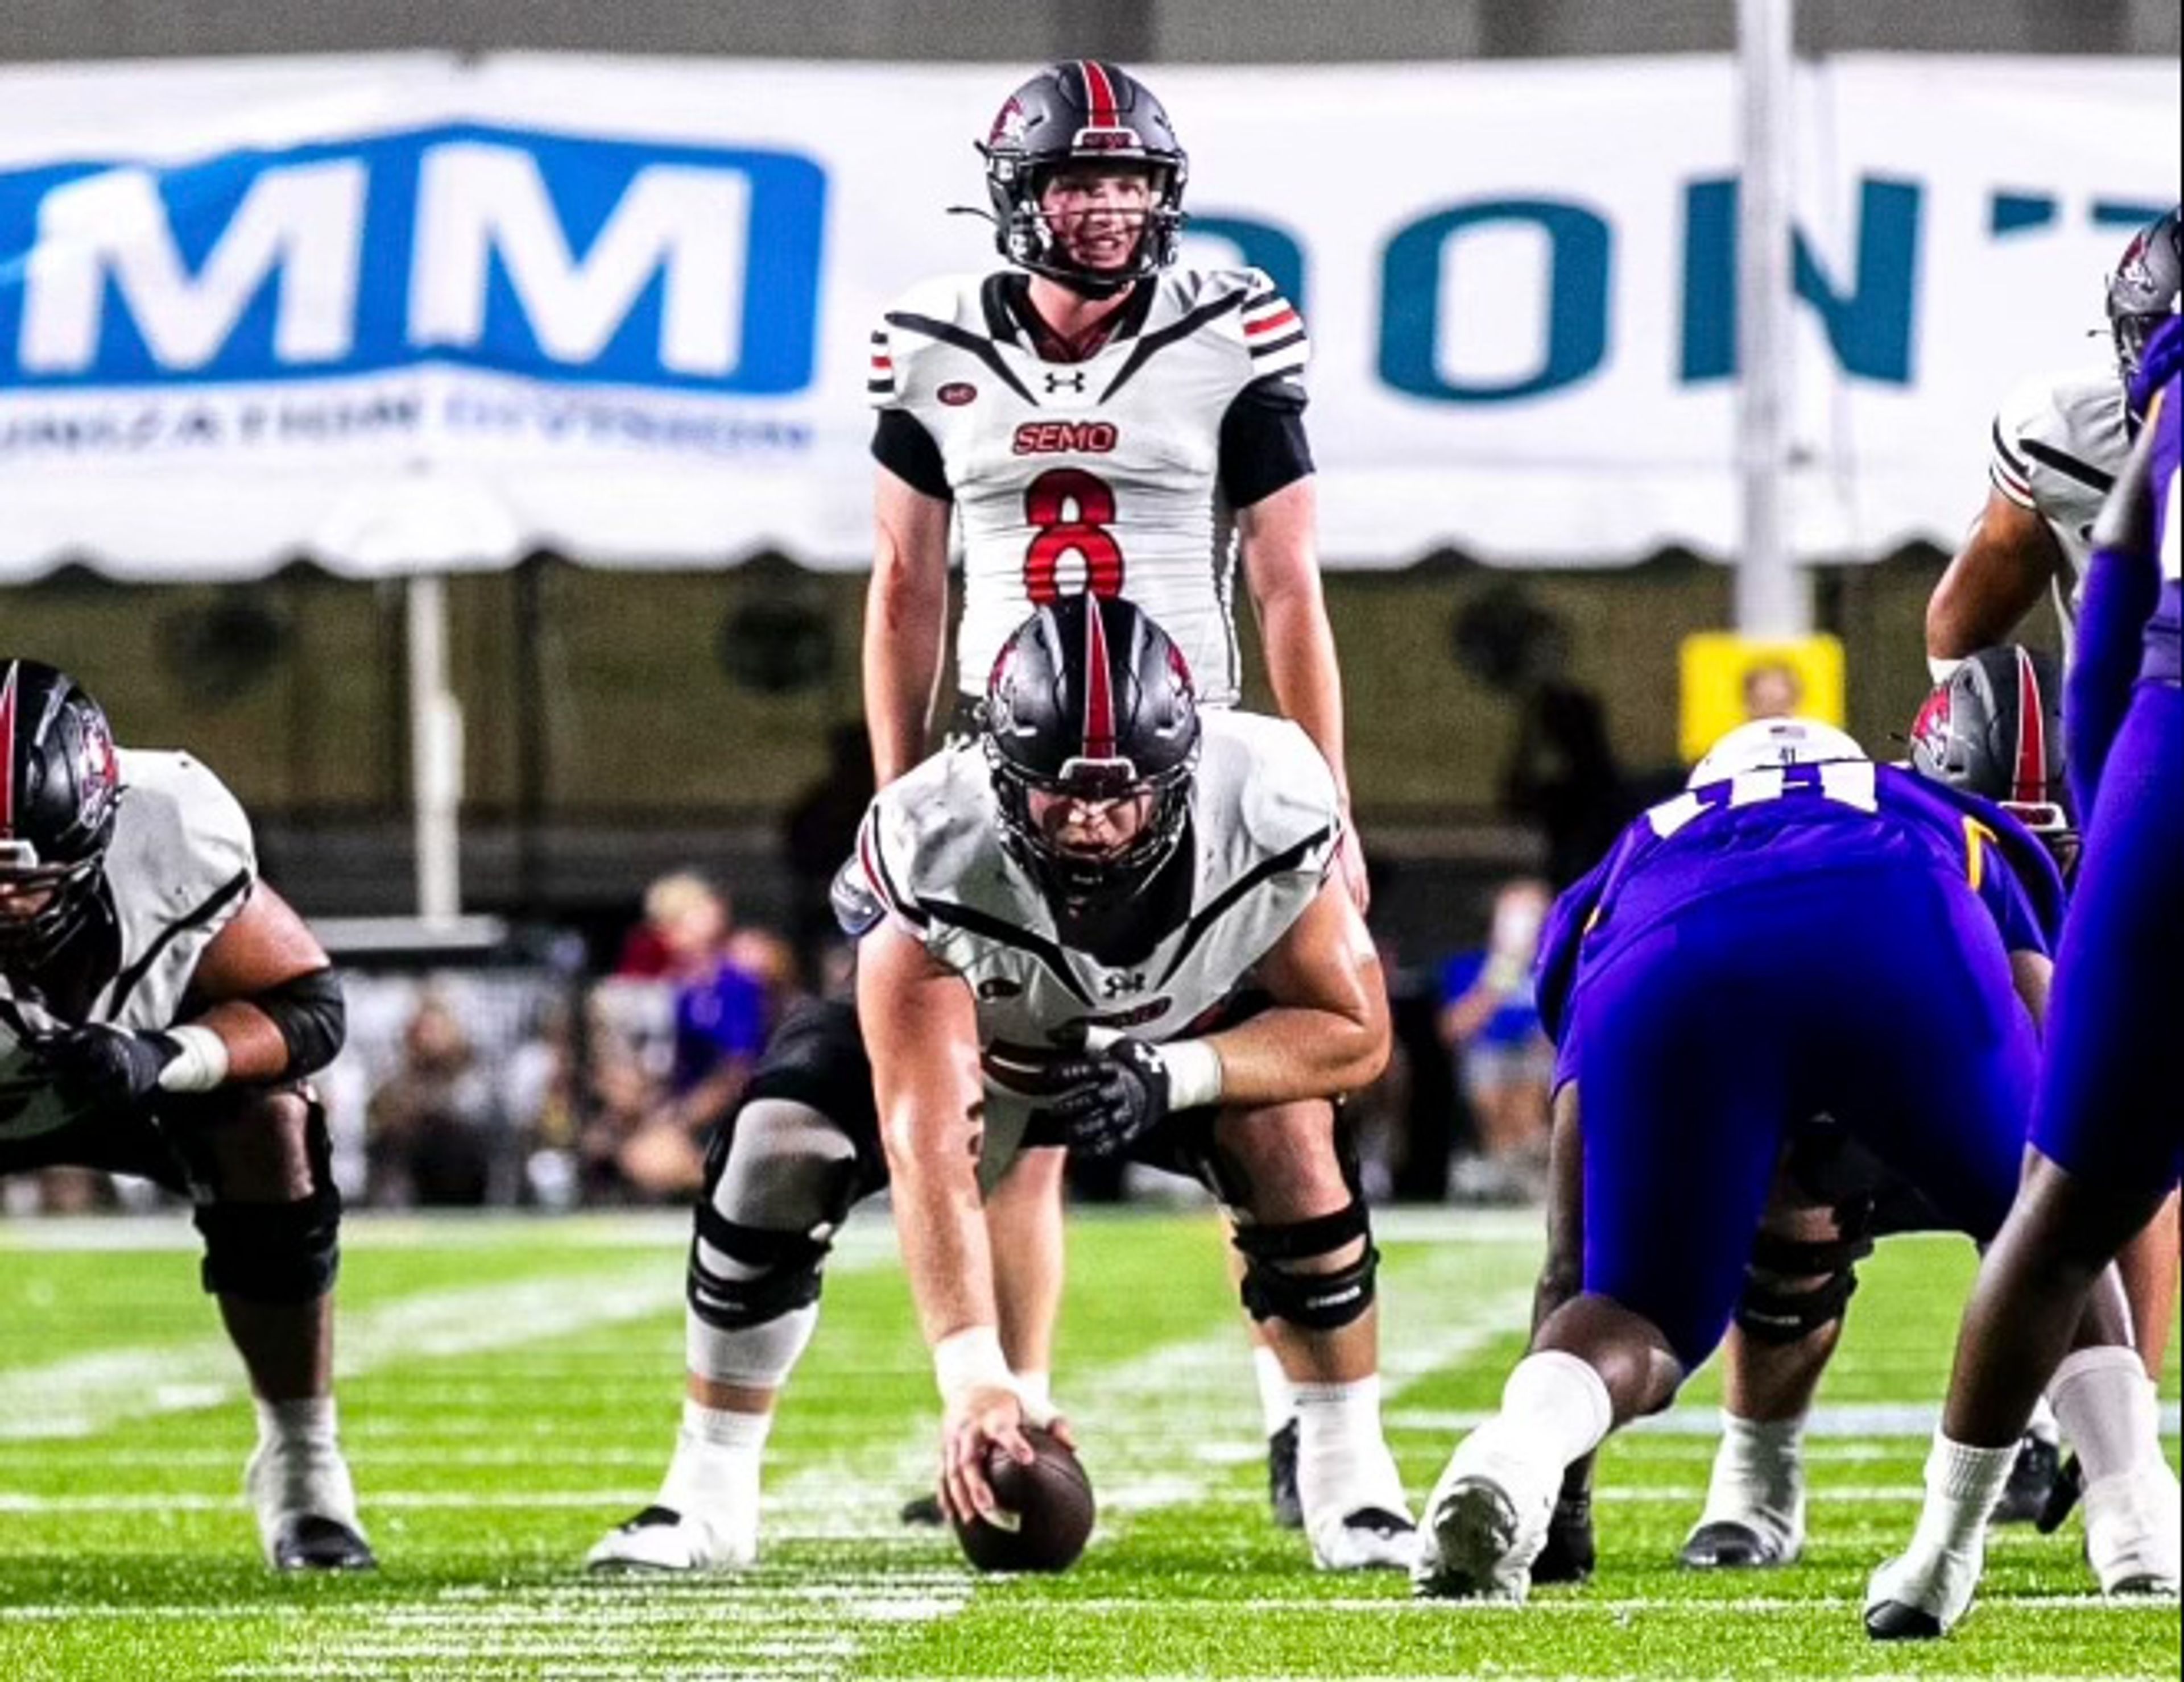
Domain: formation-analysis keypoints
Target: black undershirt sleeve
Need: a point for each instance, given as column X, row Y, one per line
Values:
column 901, row 444
column 1264, row 446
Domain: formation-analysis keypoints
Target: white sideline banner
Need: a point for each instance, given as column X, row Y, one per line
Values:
column 403, row 312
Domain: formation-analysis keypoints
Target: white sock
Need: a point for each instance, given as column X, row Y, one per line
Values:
column 1759, row 1475
column 1276, row 1396
column 2042, row 1424
column 2108, row 1408
column 1342, row 1459
column 1963, row 1484
column 308, row 1422
column 716, row 1468
column 1558, row 1402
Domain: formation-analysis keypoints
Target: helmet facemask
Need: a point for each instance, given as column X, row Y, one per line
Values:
column 1081, row 114
column 60, row 793
column 1090, row 702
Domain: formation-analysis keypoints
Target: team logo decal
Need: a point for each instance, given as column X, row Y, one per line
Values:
column 957, row 392
column 1009, row 125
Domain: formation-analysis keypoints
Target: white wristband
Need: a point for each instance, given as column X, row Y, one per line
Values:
column 971, row 1360
column 1194, row 1074
column 1939, row 668
column 200, row 1063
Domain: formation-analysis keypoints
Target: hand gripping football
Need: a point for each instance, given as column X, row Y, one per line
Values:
column 1047, row 1511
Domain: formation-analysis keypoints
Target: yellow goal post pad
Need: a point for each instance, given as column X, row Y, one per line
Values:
column 1725, row 679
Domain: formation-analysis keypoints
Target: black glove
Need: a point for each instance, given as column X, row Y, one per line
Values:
column 111, row 1067
column 1106, row 1100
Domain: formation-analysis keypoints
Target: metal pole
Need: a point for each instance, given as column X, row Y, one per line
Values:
column 1773, row 596
column 436, row 752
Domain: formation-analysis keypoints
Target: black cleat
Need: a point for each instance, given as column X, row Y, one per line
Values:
column 2031, row 1488
column 308, row 1542
column 1282, row 1497
column 1728, row 1545
column 1570, row 1554
column 923, row 1509
column 2069, row 1484
column 1893, row 1621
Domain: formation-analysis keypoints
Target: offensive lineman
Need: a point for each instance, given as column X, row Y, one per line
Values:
column 160, row 1008
column 2100, row 1161
column 2059, row 443
column 1796, row 898
column 1073, row 900
column 1093, row 419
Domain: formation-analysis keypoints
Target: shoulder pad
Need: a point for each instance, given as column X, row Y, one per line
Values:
column 2077, row 416
column 927, row 830
column 181, row 834
column 949, row 299
column 1266, row 775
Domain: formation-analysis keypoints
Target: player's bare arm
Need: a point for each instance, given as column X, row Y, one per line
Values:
column 1276, row 535
column 923, row 1034
column 2008, row 559
column 266, row 947
column 906, row 621
column 1328, row 1032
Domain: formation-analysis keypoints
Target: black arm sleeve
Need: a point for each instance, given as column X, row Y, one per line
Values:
column 901, row 444
column 312, row 1016
column 1262, row 442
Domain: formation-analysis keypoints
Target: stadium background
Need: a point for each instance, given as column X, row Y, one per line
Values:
column 295, row 688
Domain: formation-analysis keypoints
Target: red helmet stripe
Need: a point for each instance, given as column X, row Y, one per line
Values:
column 1099, row 686
column 2031, row 783
column 8, row 750
column 1099, row 95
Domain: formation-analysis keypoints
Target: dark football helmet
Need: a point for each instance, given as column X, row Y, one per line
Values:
column 1091, row 699
column 2144, row 289
column 60, row 786
column 1081, row 111
column 1995, row 729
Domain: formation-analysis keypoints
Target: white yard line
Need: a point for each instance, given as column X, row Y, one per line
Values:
column 1831, row 1419
column 88, row 1394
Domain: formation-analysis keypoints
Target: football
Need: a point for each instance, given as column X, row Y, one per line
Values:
column 1047, row 1511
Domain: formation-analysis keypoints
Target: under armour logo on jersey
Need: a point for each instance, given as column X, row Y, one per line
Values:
column 1066, row 382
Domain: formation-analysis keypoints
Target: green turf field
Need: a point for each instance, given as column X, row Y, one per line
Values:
column 511, row 1390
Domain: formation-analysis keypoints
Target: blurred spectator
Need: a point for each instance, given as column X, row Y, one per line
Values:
column 1564, row 777
column 818, row 832
column 1772, row 689
column 686, row 924
column 770, row 960
column 1379, row 1116
column 431, row 1127
column 1489, row 1022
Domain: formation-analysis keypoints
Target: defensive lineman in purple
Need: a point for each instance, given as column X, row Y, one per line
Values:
column 1801, row 931
column 2102, row 1161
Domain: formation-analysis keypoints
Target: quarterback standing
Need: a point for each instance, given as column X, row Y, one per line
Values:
column 159, row 1008
column 1092, row 417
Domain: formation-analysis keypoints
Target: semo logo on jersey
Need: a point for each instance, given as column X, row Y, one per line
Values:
column 1056, row 437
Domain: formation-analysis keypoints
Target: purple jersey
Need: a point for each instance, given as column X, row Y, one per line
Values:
column 2161, row 658
column 1790, row 823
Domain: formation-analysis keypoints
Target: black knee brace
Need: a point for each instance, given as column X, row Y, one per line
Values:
column 1320, row 1302
column 1774, row 1312
column 791, row 1280
column 277, row 1252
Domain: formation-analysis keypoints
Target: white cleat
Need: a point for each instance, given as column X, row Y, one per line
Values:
column 306, row 1504
column 1920, row 1597
column 1485, row 1526
column 660, row 1539
column 1369, row 1538
column 2132, row 1532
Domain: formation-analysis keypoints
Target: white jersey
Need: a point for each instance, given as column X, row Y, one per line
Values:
column 1102, row 473
column 180, row 865
column 1264, row 824
column 2057, row 446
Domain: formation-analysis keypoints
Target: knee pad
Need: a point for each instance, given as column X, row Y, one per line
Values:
column 277, row 1252
column 1773, row 1311
column 742, row 1277
column 1318, row 1301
